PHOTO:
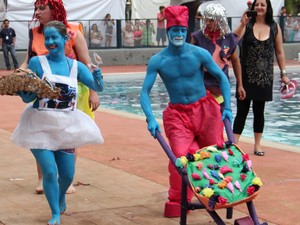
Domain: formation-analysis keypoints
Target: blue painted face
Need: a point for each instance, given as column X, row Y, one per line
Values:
column 177, row 35
column 53, row 40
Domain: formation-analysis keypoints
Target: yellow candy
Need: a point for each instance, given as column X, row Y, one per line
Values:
column 183, row 160
column 207, row 192
column 197, row 157
column 257, row 181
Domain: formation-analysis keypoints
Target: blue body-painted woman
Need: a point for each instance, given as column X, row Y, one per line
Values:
column 52, row 131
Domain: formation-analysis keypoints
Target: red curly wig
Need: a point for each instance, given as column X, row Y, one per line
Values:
column 57, row 8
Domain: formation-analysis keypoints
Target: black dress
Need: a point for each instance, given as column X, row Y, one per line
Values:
column 257, row 60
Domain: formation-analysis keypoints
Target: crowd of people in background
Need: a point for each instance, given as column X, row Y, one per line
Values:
column 134, row 33
column 289, row 25
column 152, row 32
column 102, row 33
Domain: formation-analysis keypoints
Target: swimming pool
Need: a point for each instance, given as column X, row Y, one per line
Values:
column 282, row 117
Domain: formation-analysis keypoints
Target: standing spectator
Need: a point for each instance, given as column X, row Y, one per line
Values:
column 261, row 39
column 198, row 21
column 148, row 30
column 8, row 42
column 137, row 25
column 295, row 29
column 137, row 33
column 217, row 38
column 128, row 10
column 161, row 28
column 282, row 22
column 85, row 31
column 109, row 23
column 289, row 27
column 96, row 36
column 128, row 35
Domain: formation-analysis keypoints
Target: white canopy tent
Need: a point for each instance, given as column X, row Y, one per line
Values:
column 149, row 8
column 19, row 12
column 235, row 8
column 144, row 9
column 2, row 9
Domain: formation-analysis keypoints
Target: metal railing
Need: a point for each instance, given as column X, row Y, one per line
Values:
column 137, row 33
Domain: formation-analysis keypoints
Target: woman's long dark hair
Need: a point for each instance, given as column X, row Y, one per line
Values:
column 269, row 14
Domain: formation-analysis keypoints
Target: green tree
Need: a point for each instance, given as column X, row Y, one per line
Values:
column 292, row 6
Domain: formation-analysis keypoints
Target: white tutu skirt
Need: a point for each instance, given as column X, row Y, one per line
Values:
column 55, row 130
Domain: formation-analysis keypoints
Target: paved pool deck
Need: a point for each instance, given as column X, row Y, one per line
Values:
column 125, row 180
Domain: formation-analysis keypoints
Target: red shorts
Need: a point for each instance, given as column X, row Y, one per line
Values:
column 193, row 126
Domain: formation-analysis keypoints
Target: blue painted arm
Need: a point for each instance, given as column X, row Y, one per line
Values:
column 27, row 96
column 98, row 78
column 92, row 80
column 145, row 98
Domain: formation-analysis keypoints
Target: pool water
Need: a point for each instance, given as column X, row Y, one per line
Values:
column 282, row 117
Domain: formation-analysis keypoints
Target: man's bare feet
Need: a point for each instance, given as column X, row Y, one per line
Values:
column 71, row 189
column 39, row 188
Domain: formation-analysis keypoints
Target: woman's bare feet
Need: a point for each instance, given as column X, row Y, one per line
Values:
column 55, row 220
column 66, row 213
column 71, row 189
column 39, row 188
column 63, row 209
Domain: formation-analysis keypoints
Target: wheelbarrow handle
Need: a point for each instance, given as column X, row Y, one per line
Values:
column 165, row 147
column 228, row 129
column 170, row 153
column 172, row 157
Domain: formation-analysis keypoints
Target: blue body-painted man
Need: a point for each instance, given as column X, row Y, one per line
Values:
column 193, row 118
column 53, row 132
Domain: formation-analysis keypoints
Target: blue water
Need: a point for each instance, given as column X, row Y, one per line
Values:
column 282, row 117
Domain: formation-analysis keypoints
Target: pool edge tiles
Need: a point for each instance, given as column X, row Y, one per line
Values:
column 125, row 114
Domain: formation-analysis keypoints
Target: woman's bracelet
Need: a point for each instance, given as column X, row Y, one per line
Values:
column 283, row 74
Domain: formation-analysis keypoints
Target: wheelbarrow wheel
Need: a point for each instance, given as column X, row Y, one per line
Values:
column 244, row 221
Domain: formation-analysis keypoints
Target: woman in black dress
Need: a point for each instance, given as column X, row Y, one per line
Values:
column 261, row 37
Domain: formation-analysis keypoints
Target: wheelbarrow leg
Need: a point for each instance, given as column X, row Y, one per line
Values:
column 253, row 214
column 229, row 212
column 184, row 203
column 216, row 217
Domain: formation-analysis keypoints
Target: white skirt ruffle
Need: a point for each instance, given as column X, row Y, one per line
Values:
column 55, row 130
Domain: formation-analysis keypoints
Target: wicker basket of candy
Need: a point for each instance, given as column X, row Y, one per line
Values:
column 26, row 80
